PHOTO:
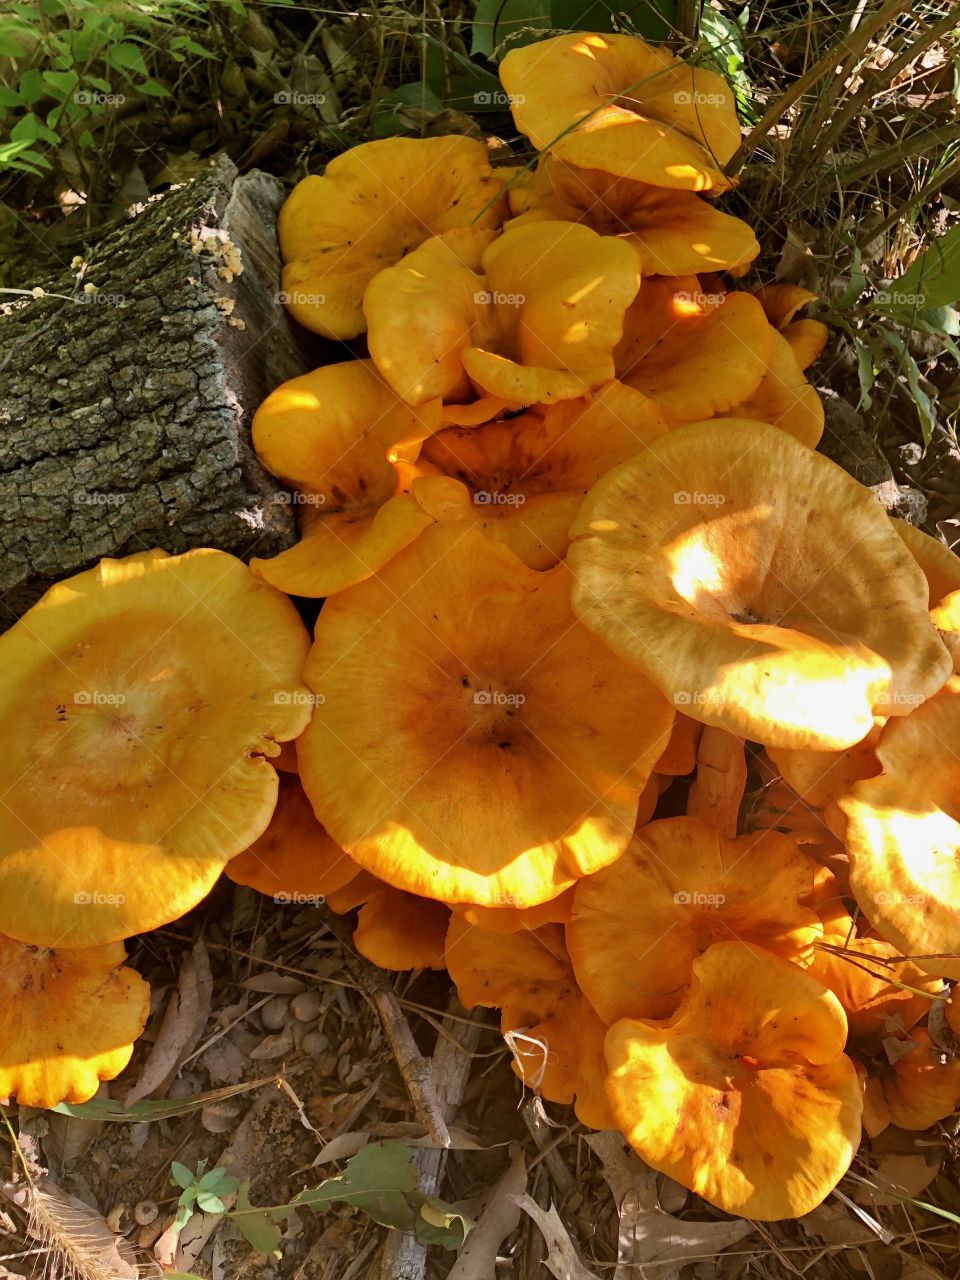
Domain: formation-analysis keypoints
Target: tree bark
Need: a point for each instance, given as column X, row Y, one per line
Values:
column 125, row 413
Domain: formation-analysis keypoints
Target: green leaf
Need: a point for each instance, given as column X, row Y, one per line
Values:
column 153, row 88
column 62, row 82
column 20, row 156
column 261, row 1230
column 31, row 87
column 856, row 284
column 30, row 129
column 210, row 1203
column 218, row 1180
column 10, row 46
column 501, row 25
column 386, row 123
column 437, row 1223
column 933, row 279
column 9, row 97
column 866, row 373
column 377, row 1180
column 181, row 1175
column 127, row 57
column 921, row 400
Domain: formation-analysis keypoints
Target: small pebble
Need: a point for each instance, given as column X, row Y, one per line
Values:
column 145, row 1212
column 305, row 1007
column 274, row 1014
column 315, row 1043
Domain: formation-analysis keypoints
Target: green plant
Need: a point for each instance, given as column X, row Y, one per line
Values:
column 200, row 1190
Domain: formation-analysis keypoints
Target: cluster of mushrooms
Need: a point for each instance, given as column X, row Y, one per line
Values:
column 624, row 705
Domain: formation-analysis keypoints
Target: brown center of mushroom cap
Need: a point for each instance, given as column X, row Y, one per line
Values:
column 493, row 711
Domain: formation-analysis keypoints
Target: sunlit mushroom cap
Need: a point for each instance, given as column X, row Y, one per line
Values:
column 874, row 984
column 522, row 481
column 68, row 1020
column 328, row 434
column 807, row 339
column 781, row 302
column 638, row 926
column 294, row 857
column 820, row 777
column 399, row 931
column 374, row 204
column 680, row 756
column 529, row 317
column 510, row 919
column 460, row 672
column 615, row 103
column 745, row 1095
column 784, row 397
column 918, row 1090
column 143, row 699
column 674, row 232
column 555, row 1037
column 758, row 585
column 903, row 834
column 940, row 565
column 694, row 353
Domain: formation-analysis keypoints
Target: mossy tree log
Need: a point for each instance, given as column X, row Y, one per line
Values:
column 125, row 411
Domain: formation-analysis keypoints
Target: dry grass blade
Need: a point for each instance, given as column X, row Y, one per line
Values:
column 76, row 1240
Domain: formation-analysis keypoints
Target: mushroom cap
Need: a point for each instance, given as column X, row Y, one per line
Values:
column 782, row 301
column 783, row 396
column 758, row 585
column 860, row 976
column 695, row 354
column 696, row 888
column 745, row 1095
column 68, row 1020
column 460, row 672
column 807, row 338
column 675, row 233
column 918, row 1090
column 522, row 481
column 399, row 931
column 820, row 777
column 143, row 699
column 615, row 103
column 328, row 434
column 555, row 1037
column 903, row 834
column 374, row 204
column 680, row 756
column 940, row 565
column 510, row 919
column 294, row 855
column 529, row 317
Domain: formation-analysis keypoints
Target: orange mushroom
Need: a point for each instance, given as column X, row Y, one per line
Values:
column 758, row 585
column 555, row 1037
column 696, row 888
column 294, row 859
column 675, row 233
column 903, row 834
column 529, row 317
column 144, row 700
column 373, row 205
column 917, row 1091
column 328, row 434
column 460, row 672
column 695, row 354
column 745, row 1096
column 397, row 930
column 68, row 1020
column 617, row 104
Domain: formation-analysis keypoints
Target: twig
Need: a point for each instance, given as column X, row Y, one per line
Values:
column 835, row 55
column 880, row 225
column 414, row 1068
column 404, row 1257
column 554, row 1163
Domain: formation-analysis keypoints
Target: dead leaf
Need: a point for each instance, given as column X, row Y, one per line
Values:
column 183, row 1022
column 562, row 1258
column 648, row 1234
column 275, row 984
column 500, row 1216
column 897, row 1176
column 76, row 1238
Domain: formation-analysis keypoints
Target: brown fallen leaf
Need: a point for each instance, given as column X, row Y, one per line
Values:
column 562, row 1259
column 500, row 1216
column 183, row 1022
column 75, row 1237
